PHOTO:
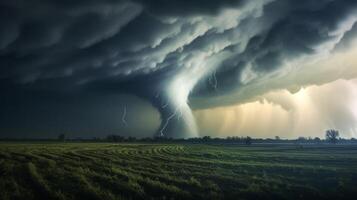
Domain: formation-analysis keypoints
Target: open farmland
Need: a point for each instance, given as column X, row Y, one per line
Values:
column 176, row 171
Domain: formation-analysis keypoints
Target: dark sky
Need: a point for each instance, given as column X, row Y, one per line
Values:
column 74, row 66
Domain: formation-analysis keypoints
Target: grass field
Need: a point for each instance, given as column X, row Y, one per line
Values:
column 176, row 171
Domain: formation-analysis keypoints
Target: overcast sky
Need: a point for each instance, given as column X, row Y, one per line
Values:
column 177, row 68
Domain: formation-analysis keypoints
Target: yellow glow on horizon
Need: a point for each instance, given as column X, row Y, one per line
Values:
column 309, row 112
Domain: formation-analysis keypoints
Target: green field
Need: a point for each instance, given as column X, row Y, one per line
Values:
column 176, row 171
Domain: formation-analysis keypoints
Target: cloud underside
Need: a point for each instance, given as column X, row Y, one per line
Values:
column 210, row 53
column 249, row 42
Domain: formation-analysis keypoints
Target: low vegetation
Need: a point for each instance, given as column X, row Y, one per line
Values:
column 176, row 171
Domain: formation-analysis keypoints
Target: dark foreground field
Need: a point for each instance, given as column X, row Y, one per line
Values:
column 176, row 171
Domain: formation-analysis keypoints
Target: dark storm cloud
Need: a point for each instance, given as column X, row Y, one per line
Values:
column 187, row 7
column 296, row 29
column 144, row 47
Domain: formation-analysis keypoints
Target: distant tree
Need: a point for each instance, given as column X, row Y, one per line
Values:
column 317, row 140
column 206, row 138
column 301, row 139
column 332, row 136
column 248, row 140
column 61, row 137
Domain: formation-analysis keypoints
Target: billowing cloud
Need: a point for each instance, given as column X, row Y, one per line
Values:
column 171, row 53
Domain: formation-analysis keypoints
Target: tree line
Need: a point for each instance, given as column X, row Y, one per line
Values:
column 331, row 137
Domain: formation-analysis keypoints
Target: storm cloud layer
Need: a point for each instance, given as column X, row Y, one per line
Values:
column 176, row 54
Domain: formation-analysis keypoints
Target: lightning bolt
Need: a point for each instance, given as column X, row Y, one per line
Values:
column 178, row 109
column 123, row 118
column 167, row 123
